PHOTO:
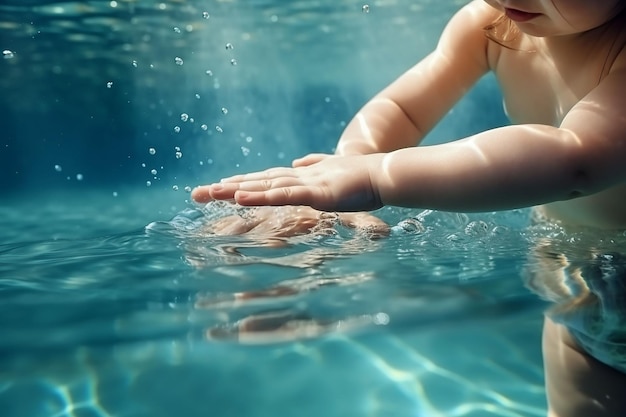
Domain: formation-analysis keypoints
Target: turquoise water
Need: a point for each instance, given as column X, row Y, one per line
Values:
column 152, row 321
column 115, row 300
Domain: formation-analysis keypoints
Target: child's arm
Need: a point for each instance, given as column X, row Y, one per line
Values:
column 509, row 167
column 405, row 111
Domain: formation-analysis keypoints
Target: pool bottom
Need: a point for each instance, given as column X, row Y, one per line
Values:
column 477, row 370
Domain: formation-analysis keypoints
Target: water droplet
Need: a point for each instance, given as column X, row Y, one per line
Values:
column 109, row 84
column 176, row 129
column 134, row 64
column 176, row 29
column 153, row 171
column 229, row 46
column 219, row 129
column 151, row 151
column 148, row 183
column 224, row 110
column 79, row 177
column 179, row 155
column 205, row 15
column 188, row 189
column 233, row 62
column 179, row 61
column 381, row 319
column 175, row 187
column 6, row 54
column 58, row 168
column 365, row 8
column 204, row 127
column 184, row 117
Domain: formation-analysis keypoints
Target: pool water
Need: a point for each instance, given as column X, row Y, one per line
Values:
column 167, row 320
column 117, row 300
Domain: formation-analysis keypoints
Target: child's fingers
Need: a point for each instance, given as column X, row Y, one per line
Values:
column 261, row 175
column 297, row 195
column 201, row 194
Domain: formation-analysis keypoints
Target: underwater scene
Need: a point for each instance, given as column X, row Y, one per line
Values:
column 119, row 296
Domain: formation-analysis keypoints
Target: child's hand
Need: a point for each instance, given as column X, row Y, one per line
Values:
column 332, row 184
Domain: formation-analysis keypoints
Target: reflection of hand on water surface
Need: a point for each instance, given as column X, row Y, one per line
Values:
column 273, row 321
column 294, row 220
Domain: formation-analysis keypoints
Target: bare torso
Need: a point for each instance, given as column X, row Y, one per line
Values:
column 534, row 93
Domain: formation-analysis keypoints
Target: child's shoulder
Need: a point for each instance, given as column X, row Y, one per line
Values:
column 477, row 14
column 470, row 24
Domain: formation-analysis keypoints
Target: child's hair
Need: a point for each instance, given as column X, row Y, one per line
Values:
column 501, row 31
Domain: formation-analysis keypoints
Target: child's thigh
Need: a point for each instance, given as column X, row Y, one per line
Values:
column 578, row 385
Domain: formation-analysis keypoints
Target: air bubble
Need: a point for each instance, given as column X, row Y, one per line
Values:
column 184, row 117
column 79, row 177
column 134, row 64
column 188, row 189
column 179, row 61
column 198, row 96
column 176, row 29
column 109, row 84
column 179, row 155
column 151, row 151
column 205, row 15
column 175, row 187
column 153, row 171
column 233, row 62
column 6, row 54
column 224, row 110
column 176, row 129
column 219, row 129
column 412, row 226
column 204, row 127
column 148, row 183
column 209, row 73
column 58, row 168
column 365, row 8
column 114, row 193
column 245, row 151
column 477, row 228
